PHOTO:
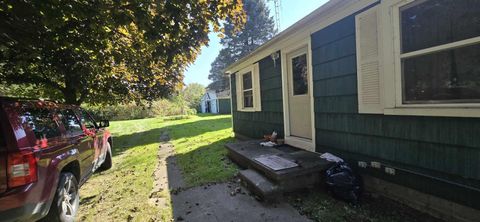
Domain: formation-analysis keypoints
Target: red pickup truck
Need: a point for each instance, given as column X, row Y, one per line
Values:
column 47, row 151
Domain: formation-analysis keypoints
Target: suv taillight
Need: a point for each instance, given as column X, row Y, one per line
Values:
column 21, row 168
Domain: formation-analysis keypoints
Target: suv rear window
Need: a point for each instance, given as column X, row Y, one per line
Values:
column 40, row 121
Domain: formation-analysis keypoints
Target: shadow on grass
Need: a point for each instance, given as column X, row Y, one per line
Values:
column 125, row 142
column 205, row 164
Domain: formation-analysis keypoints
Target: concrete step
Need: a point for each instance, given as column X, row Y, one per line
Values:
column 260, row 185
column 309, row 163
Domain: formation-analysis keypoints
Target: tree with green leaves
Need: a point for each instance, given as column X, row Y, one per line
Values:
column 259, row 28
column 106, row 51
column 192, row 94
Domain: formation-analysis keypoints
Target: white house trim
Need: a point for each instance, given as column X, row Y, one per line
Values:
column 292, row 38
column 330, row 12
column 296, row 141
column 257, row 100
column 392, row 70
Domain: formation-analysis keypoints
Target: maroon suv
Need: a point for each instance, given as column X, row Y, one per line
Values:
column 47, row 150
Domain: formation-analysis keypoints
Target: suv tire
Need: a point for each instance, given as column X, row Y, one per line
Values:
column 66, row 201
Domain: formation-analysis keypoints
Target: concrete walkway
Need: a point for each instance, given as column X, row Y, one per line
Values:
column 223, row 202
column 216, row 203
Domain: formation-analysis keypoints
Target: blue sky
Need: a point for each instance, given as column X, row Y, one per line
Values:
column 291, row 11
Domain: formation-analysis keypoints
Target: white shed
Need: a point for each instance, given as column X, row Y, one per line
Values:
column 213, row 102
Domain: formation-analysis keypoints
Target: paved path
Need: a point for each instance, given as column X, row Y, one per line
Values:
column 216, row 203
column 167, row 175
column 223, row 202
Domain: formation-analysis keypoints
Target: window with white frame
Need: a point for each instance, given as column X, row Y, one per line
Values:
column 440, row 51
column 419, row 57
column 248, row 89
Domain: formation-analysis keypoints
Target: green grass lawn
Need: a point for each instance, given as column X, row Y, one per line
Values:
column 122, row 193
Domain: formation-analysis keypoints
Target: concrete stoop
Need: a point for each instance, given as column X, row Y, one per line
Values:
column 270, row 184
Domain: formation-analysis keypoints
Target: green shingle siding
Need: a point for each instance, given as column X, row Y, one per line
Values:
column 332, row 33
column 409, row 152
column 224, row 106
column 256, row 124
column 336, row 68
column 271, row 84
column 439, row 147
column 336, row 104
column 342, row 48
column 436, row 155
column 423, row 129
column 339, row 86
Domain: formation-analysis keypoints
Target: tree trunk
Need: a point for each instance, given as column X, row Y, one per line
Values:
column 70, row 96
column 70, row 91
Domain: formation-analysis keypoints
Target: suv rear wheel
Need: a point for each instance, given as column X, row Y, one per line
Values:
column 66, row 201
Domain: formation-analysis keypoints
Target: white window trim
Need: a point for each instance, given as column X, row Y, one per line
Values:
column 392, row 74
column 255, row 70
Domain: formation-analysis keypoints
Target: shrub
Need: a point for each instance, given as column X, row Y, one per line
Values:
column 160, row 108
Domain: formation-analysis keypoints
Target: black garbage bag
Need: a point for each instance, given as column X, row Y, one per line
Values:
column 344, row 183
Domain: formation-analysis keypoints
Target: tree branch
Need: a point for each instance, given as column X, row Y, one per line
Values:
column 29, row 79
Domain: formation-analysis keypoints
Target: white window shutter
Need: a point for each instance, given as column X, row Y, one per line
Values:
column 257, row 98
column 238, row 90
column 369, row 78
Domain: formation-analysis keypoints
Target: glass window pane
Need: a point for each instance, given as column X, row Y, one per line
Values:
column 247, row 80
column 248, row 98
column 87, row 119
column 437, row 22
column 40, row 121
column 451, row 76
column 299, row 73
column 70, row 122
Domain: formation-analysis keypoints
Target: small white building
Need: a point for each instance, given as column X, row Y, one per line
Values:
column 213, row 102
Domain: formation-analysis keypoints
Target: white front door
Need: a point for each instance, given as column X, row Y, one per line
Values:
column 299, row 97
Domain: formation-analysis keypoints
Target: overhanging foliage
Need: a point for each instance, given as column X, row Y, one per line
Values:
column 104, row 51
